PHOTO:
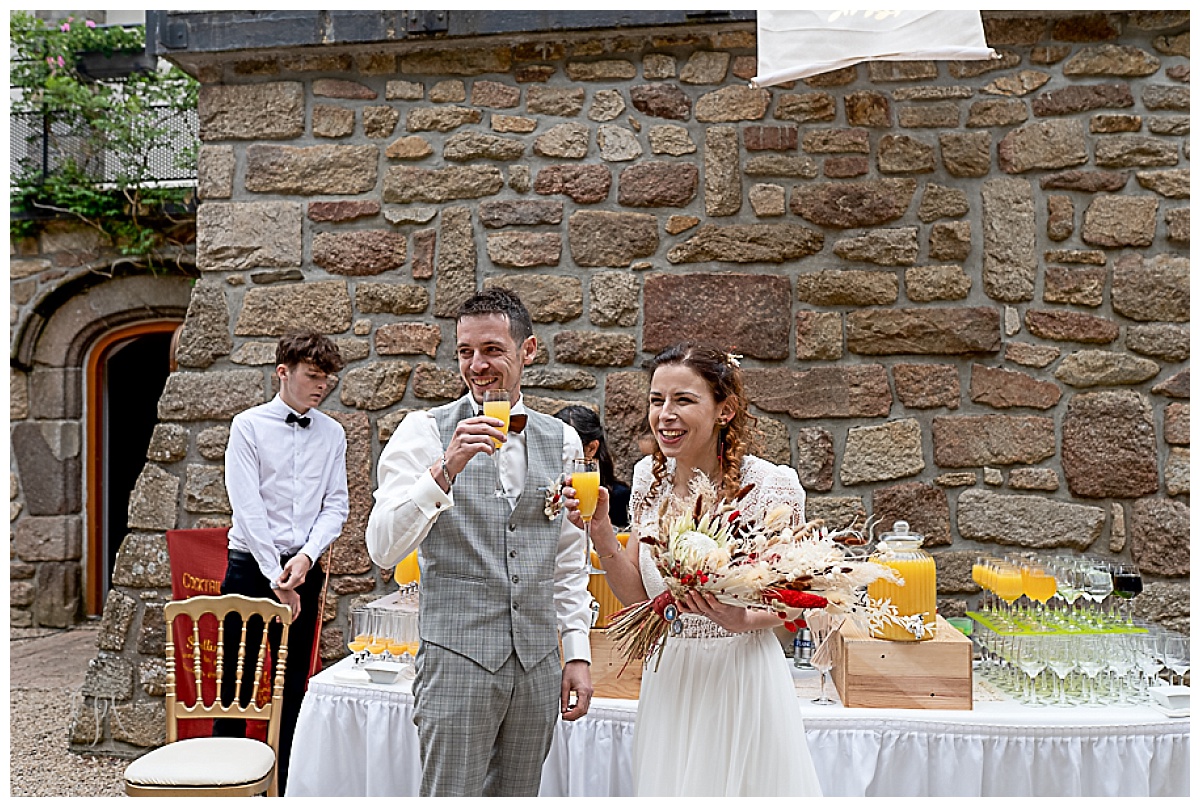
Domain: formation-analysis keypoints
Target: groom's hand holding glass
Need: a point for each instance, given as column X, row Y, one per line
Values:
column 472, row 436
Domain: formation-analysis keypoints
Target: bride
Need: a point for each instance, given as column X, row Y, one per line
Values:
column 718, row 714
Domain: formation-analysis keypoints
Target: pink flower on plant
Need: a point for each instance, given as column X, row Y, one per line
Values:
column 66, row 26
column 61, row 63
column 90, row 23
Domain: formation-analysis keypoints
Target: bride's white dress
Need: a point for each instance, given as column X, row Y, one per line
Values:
column 719, row 715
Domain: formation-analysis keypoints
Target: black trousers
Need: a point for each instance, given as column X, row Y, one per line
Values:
column 242, row 576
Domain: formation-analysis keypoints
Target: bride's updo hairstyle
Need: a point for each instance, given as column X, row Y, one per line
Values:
column 721, row 372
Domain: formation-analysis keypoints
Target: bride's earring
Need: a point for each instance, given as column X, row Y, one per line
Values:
column 721, row 426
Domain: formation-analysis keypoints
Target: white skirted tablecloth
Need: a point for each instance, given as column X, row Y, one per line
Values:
column 357, row 739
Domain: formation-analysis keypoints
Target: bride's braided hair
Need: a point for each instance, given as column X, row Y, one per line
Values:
column 721, row 371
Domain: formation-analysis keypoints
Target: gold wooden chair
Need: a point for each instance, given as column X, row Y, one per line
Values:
column 217, row 766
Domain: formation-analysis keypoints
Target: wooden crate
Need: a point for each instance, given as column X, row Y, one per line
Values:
column 876, row 673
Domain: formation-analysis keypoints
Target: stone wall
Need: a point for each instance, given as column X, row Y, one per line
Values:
column 960, row 288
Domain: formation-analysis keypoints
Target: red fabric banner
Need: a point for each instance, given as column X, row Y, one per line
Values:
column 198, row 560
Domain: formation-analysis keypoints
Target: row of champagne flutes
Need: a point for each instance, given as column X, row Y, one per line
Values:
column 383, row 634
column 1056, row 584
column 1091, row 669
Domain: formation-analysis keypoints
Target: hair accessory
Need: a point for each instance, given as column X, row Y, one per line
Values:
column 734, row 359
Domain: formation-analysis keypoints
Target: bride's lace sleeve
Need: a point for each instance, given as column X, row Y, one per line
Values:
column 775, row 485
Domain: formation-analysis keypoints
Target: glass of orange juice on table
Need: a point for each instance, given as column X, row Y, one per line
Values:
column 410, row 633
column 496, row 404
column 1007, row 585
column 359, row 633
column 585, row 478
column 396, row 646
column 377, row 634
column 1039, row 585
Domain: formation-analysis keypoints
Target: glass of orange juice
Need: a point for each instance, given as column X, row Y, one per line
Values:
column 1038, row 584
column 359, row 633
column 408, row 570
column 1008, row 586
column 585, row 478
column 412, row 634
column 395, row 643
column 496, row 404
column 377, row 633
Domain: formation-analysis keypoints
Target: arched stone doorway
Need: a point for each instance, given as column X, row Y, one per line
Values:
column 60, row 345
column 124, row 376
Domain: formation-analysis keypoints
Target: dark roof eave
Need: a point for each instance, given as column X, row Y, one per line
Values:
column 174, row 34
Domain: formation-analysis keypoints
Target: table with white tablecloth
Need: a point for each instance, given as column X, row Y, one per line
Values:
column 358, row 739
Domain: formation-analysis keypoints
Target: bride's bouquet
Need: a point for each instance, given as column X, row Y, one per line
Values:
column 750, row 560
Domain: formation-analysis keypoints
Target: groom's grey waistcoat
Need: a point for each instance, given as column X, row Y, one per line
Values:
column 487, row 573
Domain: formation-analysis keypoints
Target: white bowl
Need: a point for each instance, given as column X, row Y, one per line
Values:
column 384, row 672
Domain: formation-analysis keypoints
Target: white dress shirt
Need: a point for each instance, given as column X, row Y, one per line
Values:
column 408, row 501
column 286, row 483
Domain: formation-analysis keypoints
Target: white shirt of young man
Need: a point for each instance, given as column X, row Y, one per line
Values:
column 286, row 483
column 408, row 501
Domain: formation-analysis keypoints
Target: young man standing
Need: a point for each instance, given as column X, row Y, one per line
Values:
column 285, row 472
column 501, row 582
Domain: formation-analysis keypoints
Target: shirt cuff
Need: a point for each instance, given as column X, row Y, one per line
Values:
column 429, row 497
column 576, row 646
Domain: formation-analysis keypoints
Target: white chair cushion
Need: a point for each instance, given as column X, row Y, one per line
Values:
column 203, row 761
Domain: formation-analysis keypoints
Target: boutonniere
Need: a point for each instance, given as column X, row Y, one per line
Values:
column 554, row 497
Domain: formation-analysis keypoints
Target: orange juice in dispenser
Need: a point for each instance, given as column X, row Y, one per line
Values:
column 901, row 550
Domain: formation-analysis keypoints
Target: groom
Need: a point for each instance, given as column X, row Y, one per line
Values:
column 501, row 583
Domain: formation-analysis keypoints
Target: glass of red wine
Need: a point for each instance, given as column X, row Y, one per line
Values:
column 1127, row 584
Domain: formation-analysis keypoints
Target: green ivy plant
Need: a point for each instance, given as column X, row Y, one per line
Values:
column 113, row 123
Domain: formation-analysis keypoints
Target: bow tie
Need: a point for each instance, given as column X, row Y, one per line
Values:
column 516, row 423
column 303, row 421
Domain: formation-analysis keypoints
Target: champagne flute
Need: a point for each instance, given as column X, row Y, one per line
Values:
column 359, row 633
column 822, row 626
column 1176, row 654
column 377, row 634
column 395, row 638
column 408, row 636
column 982, row 573
column 585, row 478
column 496, row 404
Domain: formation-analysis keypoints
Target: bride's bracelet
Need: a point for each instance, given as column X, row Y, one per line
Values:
column 618, row 551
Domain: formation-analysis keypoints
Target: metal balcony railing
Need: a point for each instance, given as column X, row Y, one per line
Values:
column 39, row 144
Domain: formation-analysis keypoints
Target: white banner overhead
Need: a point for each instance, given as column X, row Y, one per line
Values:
column 796, row 44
